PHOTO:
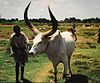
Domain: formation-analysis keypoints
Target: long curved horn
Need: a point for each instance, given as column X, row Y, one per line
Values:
column 28, row 23
column 54, row 25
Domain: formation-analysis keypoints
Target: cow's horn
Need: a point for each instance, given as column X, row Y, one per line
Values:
column 54, row 25
column 29, row 24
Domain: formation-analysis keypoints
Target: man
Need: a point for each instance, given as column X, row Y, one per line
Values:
column 19, row 49
column 74, row 28
column 98, row 34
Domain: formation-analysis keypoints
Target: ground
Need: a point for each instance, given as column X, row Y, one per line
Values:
column 43, row 73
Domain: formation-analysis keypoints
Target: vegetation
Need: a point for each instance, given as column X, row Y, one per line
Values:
column 85, row 59
column 44, row 20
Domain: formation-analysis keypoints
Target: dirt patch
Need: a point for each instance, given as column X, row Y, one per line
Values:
column 6, row 25
column 43, row 73
column 85, row 40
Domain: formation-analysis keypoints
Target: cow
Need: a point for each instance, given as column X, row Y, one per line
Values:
column 58, row 46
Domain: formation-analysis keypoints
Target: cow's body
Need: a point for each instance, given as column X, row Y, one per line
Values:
column 60, row 49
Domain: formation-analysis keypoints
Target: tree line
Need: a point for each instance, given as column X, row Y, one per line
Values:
column 44, row 20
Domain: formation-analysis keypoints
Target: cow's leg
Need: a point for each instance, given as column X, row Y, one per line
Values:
column 65, row 63
column 55, row 73
column 69, row 65
column 65, row 70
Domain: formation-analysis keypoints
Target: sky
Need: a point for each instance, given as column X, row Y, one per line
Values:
column 61, row 8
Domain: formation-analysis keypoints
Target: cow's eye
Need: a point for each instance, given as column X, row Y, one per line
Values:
column 33, row 37
column 40, row 42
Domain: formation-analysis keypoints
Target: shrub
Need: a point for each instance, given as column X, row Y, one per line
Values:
column 91, row 45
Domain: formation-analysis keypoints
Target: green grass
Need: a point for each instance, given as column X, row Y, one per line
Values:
column 87, row 61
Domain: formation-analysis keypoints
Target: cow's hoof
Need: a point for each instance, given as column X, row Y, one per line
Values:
column 64, row 76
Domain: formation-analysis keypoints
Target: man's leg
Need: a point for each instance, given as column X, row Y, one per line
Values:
column 17, row 72
column 22, row 71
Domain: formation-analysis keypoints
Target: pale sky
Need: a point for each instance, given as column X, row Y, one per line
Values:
column 61, row 8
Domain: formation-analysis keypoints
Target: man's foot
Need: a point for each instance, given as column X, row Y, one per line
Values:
column 18, row 81
column 22, row 78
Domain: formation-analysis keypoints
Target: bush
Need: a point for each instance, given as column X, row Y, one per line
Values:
column 89, row 33
column 91, row 45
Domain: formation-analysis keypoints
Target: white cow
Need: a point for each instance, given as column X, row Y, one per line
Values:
column 58, row 46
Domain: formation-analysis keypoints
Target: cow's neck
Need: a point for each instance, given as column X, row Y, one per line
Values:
column 46, row 47
column 53, row 46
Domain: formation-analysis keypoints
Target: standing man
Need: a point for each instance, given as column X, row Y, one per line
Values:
column 74, row 28
column 98, row 34
column 19, row 48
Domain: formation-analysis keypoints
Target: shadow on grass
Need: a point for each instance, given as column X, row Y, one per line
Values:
column 78, row 78
column 26, row 81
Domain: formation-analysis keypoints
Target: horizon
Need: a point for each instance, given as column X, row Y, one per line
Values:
column 50, row 19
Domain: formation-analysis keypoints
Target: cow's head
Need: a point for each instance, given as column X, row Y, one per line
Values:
column 40, row 41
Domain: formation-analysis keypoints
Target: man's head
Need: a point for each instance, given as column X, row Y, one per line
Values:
column 16, row 29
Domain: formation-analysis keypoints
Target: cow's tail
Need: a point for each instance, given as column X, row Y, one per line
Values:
column 73, row 32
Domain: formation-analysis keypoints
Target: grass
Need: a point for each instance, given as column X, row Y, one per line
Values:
column 85, row 59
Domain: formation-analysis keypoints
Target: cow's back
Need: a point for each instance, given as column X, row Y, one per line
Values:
column 69, row 41
column 60, row 46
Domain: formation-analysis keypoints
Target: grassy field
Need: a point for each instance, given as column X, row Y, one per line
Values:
column 85, row 59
